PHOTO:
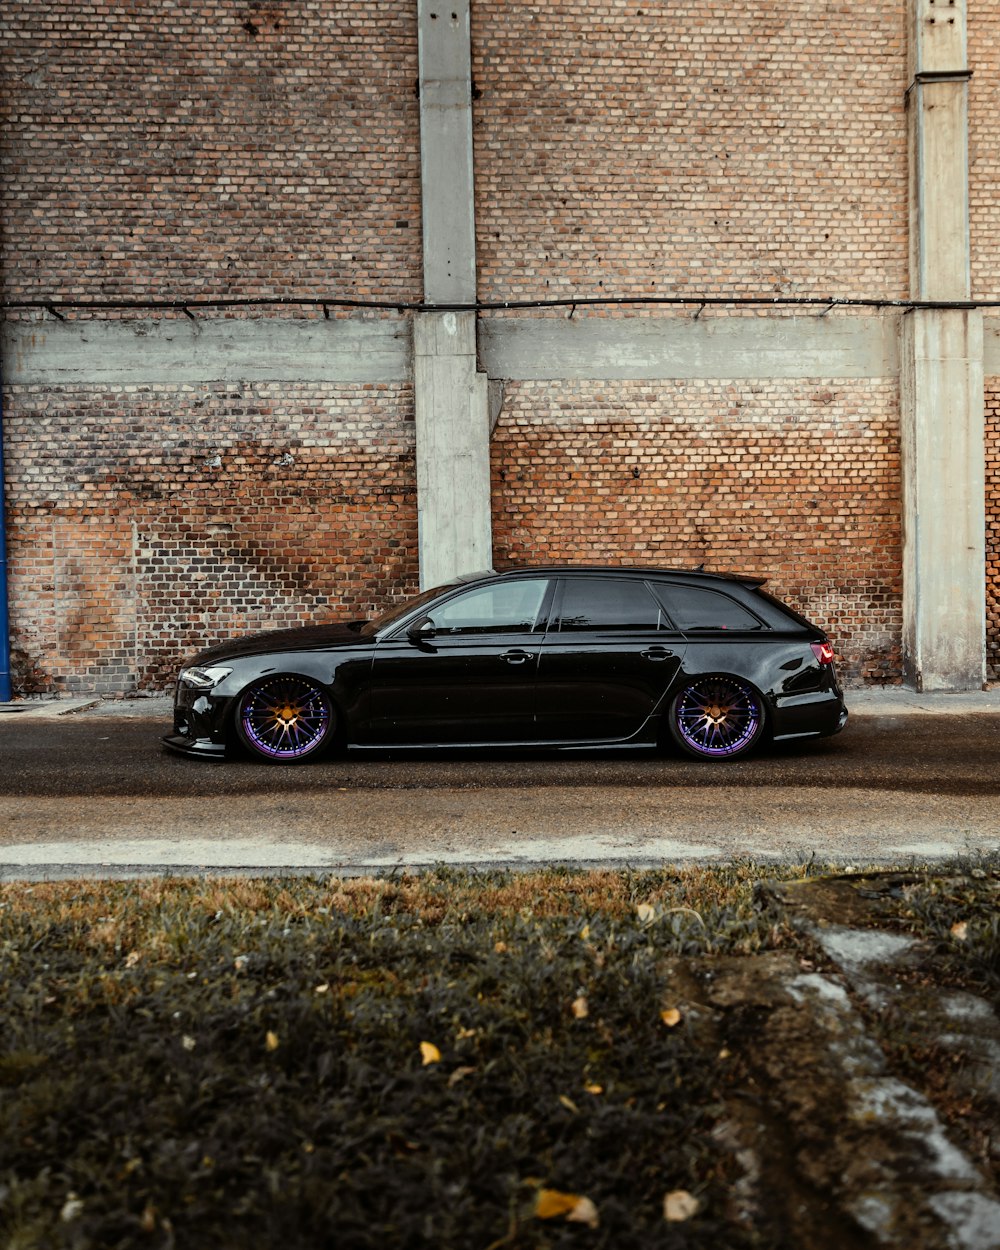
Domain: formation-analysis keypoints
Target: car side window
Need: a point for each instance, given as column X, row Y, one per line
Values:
column 693, row 607
column 503, row 607
column 608, row 603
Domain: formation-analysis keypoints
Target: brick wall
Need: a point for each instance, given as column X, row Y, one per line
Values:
column 149, row 521
column 720, row 147
column 993, row 528
column 256, row 149
column 211, row 149
column 984, row 146
column 798, row 482
column 203, row 151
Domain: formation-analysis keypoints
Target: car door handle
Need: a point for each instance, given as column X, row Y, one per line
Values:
column 656, row 653
column 516, row 656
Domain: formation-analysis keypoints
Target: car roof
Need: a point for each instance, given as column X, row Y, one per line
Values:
column 602, row 570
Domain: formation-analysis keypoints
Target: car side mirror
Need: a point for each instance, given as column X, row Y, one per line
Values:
column 421, row 630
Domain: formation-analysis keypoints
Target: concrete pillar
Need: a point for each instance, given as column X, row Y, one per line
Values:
column 941, row 367
column 449, row 224
column 944, row 555
column 450, row 398
column 453, row 443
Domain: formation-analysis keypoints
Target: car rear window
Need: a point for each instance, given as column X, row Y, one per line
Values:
column 693, row 607
column 608, row 603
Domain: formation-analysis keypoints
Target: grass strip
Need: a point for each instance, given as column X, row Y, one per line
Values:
column 413, row 1062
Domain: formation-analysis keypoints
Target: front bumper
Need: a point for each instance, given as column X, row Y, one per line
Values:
column 200, row 723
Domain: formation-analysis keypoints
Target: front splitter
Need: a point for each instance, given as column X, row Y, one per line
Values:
column 198, row 748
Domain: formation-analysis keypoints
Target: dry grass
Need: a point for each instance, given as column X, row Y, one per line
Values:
column 235, row 1063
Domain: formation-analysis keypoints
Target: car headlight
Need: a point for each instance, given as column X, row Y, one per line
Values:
column 203, row 678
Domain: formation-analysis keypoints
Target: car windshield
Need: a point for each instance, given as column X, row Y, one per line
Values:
column 399, row 610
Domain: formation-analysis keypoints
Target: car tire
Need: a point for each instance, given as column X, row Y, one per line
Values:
column 717, row 717
column 285, row 719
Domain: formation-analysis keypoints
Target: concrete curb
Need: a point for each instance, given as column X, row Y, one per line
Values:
column 46, row 709
column 894, row 701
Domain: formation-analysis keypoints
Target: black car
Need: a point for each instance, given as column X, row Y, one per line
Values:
column 549, row 657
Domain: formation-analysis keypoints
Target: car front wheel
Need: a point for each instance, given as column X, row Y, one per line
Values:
column 285, row 719
column 717, row 717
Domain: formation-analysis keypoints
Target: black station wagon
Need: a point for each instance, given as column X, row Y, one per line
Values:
column 559, row 656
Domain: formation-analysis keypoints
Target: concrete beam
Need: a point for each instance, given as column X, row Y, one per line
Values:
column 161, row 352
column 453, row 448
column 853, row 346
column 176, row 351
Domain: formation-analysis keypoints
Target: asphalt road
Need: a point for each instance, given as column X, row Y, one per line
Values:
column 98, row 793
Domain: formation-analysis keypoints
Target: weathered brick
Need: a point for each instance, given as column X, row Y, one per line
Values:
column 738, row 489
column 219, row 149
column 728, row 148
column 122, row 561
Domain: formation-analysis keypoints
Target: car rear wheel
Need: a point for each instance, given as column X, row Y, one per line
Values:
column 285, row 719
column 717, row 717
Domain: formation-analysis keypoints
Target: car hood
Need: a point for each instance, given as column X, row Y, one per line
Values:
column 308, row 638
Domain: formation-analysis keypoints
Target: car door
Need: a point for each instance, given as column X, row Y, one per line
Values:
column 609, row 655
column 466, row 674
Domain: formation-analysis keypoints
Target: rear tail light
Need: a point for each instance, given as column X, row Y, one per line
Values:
column 823, row 651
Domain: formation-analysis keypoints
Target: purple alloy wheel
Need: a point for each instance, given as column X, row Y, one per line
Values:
column 285, row 718
column 718, row 717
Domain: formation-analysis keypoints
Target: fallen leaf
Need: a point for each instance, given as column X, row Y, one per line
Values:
column 271, row 1041
column 671, row 1017
column 584, row 1213
column 322, row 989
column 679, row 1205
column 188, row 1042
column 580, row 1008
column 500, row 947
column 552, row 1203
column 459, row 1075
column 960, row 931
column 569, row 1104
column 594, row 1089
column 132, row 958
column 646, row 913
column 429, row 1053
column 72, row 1209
